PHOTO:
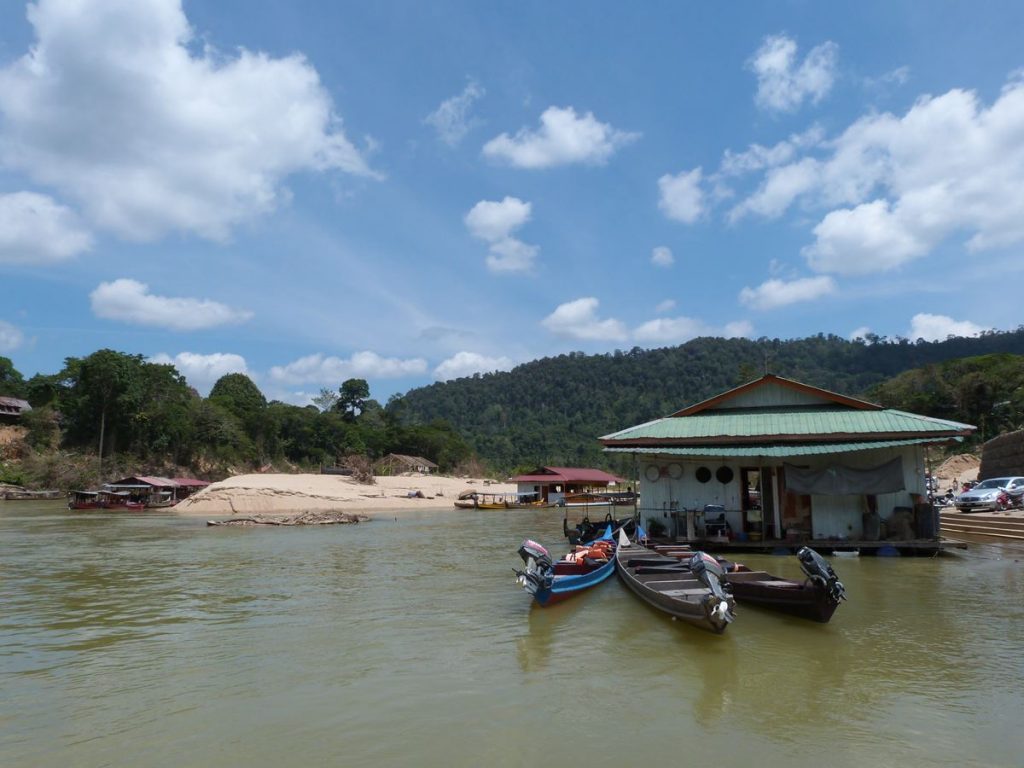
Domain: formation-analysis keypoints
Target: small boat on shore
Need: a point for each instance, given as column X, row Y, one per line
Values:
column 551, row 582
column 510, row 500
column 693, row 590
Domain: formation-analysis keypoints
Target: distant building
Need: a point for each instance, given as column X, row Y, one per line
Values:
column 11, row 409
column 397, row 463
column 555, row 483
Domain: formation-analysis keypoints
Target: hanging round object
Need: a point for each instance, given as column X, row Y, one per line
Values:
column 675, row 471
column 652, row 473
column 703, row 474
column 724, row 475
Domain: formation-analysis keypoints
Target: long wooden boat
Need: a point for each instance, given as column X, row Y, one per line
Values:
column 79, row 500
column 552, row 582
column 815, row 598
column 510, row 500
column 695, row 593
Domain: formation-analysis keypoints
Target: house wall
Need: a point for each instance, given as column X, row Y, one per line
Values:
column 774, row 395
column 831, row 516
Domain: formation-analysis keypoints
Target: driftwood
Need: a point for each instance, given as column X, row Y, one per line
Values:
column 304, row 518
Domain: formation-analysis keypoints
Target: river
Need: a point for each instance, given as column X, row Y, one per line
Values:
column 152, row 640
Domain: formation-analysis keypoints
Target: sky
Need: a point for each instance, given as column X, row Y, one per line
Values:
column 409, row 192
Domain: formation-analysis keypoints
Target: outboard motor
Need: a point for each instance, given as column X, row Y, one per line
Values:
column 818, row 570
column 539, row 571
column 712, row 575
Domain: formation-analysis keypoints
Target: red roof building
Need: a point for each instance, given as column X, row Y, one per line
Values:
column 554, row 484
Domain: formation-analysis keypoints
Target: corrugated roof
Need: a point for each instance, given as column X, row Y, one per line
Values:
column 777, row 451
column 566, row 475
column 782, row 423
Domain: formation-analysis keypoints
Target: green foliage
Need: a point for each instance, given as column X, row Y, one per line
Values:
column 351, row 397
column 986, row 391
column 12, row 384
column 551, row 411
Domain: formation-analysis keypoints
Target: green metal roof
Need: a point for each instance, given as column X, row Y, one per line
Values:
column 773, row 422
column 775, row 451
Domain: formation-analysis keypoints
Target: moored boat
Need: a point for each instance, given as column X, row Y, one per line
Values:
column 551, row 582
column 696, row 593
column 815, row 598
column 79, row 500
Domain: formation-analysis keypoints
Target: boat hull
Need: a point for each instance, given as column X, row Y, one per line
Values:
column 566, row 585
column 678, row 593
column 803, row 599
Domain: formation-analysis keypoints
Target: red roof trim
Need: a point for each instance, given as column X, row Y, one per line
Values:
column 771, row 378
column 566, row 475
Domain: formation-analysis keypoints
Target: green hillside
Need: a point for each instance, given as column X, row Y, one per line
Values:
column 550, row 411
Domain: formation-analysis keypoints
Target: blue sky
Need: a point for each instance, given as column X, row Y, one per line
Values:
column 408, row 192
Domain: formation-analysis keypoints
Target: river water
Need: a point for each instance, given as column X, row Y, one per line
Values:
column 131, row 640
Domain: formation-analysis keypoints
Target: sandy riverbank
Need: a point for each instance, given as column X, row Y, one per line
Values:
column 291, row 494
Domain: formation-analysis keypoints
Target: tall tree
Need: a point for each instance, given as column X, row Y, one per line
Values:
column 12, row 384
column 351, row 398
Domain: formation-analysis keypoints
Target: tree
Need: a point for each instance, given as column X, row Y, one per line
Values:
column 352, row 397
column 326, row 400
column 12, row 384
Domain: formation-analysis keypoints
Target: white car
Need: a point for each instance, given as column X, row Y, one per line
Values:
column 996, row 493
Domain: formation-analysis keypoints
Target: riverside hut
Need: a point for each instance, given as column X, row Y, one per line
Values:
column 559, row 485
column 397, row 463
column 775, row 461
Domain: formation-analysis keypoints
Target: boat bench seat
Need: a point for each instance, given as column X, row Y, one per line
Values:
column 684, row 592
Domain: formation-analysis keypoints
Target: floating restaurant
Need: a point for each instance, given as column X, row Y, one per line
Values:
column 778, row 463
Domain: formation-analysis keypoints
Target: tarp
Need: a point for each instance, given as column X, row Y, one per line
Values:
column 837, row 480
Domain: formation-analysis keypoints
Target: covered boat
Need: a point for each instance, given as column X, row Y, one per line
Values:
column 551, row 582
column 693, row 590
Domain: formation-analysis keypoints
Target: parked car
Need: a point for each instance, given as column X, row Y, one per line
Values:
column 994, row 493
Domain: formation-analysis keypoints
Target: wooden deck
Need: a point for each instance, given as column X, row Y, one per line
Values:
column 991, row 527
column 824, row 546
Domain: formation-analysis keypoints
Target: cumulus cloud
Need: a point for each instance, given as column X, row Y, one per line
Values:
column 757, row 157
column 579, row 320
column 775, row 293
column 563, row 138
column 202, row 371
column 494, row 222
column 130, row 301
column 783, row 83
column 681, row 197
column 467, row 363
column 332, row 371
column 676, row 330
column 11, row 337
column 859, row 333
column 661, row 256
column 35, row 229
column 115, row 107
column 452, row 120
column 939, row 327
column 895, row 187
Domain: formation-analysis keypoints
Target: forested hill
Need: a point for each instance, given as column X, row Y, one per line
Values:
column 550, row 411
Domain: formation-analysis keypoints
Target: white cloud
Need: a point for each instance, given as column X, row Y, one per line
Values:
column 11, row 337
column 859, row 333
column 130, row 301
column 757, row 157
column 681, row 197
column 780, row 187
column 467, row 363
column 661, row 256
column 452, row 119
column 895, row 187
column 115, row 106
column 775, row 293
column 579, row 320
column 665, row 306
column 782, row 83
column 563, row 138
column 202, row 371
column 676, row 330
column 939, row 327
column 35, row 229
column 332, row 371
column 494, row 222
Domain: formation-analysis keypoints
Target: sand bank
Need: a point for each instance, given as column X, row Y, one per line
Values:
column 292, row 494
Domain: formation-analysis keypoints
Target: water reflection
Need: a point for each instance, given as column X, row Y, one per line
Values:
column 408, row 642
